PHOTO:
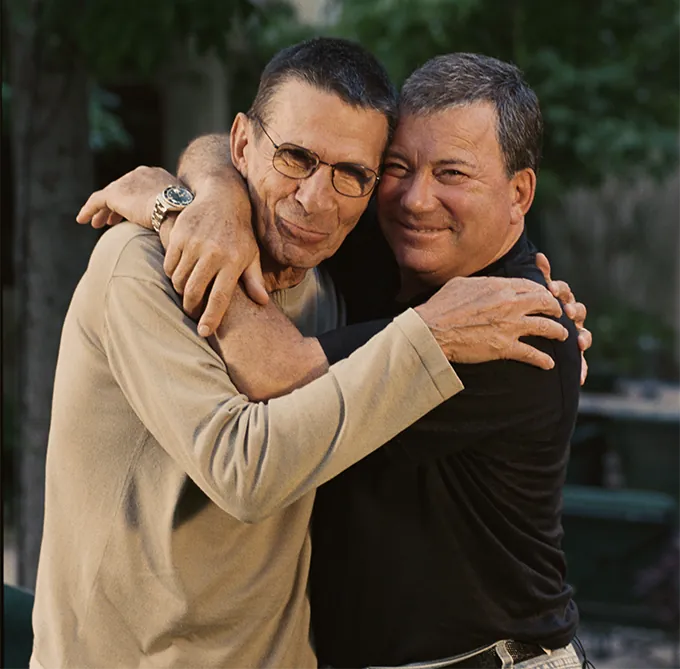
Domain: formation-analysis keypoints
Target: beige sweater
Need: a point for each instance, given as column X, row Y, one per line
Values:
column 177, row 512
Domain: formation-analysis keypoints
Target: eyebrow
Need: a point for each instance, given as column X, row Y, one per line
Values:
column 340, row 162
column 391, row 153
column 453, row 161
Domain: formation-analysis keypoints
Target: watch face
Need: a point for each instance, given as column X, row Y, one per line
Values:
column 178, row 196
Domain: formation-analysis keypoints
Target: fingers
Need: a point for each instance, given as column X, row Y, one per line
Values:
column 584, row 369
column 199, row 280
column 100, row 218
column 562, row 291
column 525, row 353
column 173, row 254
column 253, row 282
column 539, row 301
column 533, row 297
column 520, row 286
column 218, row 303
column 543, row 264
column 585, row 339
column 113, row 218
column 577, row 312
column 181, row 274
column 94, row 203
column 177, row 242
column 537, row 326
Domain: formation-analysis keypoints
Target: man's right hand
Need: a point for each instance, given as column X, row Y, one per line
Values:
column 131, row 198
column 477, row 319
column 208, row 246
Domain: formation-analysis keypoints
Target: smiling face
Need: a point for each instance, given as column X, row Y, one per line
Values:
column 300, row 222
column 446, row 204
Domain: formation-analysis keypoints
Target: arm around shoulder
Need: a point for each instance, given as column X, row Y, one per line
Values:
column 253, row 459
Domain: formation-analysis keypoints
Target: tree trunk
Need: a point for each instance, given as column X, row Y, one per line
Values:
column 52, row 168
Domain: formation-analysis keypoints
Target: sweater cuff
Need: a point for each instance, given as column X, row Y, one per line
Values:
column 443, row 375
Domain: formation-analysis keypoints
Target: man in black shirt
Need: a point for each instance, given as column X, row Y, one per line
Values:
column 447, row 540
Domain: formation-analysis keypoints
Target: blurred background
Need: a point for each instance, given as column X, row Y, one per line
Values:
column 91, row 89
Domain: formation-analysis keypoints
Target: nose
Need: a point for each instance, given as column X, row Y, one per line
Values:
column 316, row 193
column 417, row 196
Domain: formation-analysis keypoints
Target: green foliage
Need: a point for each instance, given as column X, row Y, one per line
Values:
column 634, row 342
column 129, row 36
column 255, row 40
column 606, row 71
column 126, row 37
column 106, row 128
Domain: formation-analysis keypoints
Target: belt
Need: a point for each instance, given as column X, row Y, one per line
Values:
column 490, row 659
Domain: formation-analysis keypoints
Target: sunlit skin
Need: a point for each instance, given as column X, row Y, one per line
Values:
column 446, row 203
column 300, row 222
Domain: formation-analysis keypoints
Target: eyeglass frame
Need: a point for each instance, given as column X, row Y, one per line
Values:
column 318, row 163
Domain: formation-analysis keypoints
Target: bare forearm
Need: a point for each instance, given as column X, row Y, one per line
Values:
column 206, row 159
column 265, row 353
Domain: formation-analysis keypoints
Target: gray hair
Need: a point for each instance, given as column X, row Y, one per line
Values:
column 334, row 65
column 459, row 79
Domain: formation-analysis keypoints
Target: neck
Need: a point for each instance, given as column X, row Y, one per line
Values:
column 415, row 283
column 278, row 277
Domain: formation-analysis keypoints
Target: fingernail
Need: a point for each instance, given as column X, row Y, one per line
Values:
column 203, row 330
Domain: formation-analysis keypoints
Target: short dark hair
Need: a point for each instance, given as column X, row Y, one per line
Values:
column 458, row 79
column 334, row 65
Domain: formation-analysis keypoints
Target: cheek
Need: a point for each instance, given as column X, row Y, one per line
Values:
column 464, row 207
column 274, row 189
column 389, row 191
column 348, row 217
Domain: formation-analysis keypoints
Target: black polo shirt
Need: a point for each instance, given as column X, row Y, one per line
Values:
column 448, row 538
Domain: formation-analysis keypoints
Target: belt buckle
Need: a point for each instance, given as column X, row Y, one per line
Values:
column 512, row 652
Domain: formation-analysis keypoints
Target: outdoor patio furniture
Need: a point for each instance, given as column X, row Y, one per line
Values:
column 612, row 539
column 17, row 630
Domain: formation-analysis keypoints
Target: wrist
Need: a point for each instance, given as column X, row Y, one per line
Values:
column 153, row 198
column 424, row 312
column 227, row 189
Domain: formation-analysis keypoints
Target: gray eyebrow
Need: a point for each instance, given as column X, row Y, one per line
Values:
column 393, row 153
column 453, row 161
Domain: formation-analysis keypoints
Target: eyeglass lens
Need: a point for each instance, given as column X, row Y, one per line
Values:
column 298, row 163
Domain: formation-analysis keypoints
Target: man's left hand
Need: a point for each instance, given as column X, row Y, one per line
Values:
column 131, row 198
column 574, row 310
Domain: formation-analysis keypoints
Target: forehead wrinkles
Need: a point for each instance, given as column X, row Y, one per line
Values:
column 459, row 132
column 322, row 122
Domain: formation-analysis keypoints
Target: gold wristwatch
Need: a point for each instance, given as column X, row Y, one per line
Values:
column 173, row 198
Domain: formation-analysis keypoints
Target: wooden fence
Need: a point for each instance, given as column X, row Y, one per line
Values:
column 619, row 244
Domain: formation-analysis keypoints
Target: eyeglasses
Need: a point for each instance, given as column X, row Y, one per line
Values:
column 296, row 162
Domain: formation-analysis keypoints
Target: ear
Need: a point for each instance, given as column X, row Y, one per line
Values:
column 523, row 185
column 239, row 139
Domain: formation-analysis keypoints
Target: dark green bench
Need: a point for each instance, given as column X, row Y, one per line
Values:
column 649, row 452
column 612, row 537
column 17, row 629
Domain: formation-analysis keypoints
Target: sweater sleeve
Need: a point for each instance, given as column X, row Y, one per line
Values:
column 253, row 459
column 340, row 343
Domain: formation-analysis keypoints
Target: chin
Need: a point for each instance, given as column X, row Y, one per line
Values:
column 417, row 260
column 300, row 257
